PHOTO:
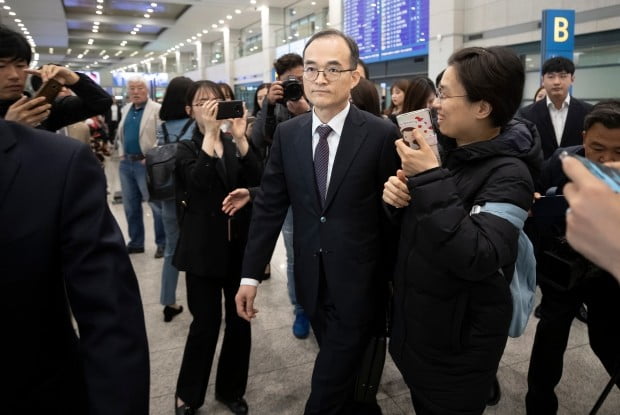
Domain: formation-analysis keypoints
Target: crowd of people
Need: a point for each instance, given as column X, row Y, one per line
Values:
column 367, row 221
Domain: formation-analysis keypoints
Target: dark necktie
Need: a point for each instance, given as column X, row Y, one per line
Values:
column 321, row 160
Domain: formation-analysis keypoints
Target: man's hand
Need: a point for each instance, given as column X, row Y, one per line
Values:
column 245, row 302
column 235, row 200
column 416, row 161
column 396, row 192
column 29, row 112
column 276, row 93
column 63, row 75
column 298, row 107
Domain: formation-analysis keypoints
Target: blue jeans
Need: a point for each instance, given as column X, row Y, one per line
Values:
column 134, row 190
column 169, row 273
column 287, row 234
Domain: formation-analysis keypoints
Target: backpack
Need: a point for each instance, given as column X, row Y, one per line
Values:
column 160, row 162
column 523, row 284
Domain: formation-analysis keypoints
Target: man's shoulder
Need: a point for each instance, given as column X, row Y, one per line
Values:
column 532, row 110
column 44, row 145
column 580, row 104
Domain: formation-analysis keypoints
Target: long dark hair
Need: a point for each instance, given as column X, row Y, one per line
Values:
column 401, row 84
column 173, row 105
column 256, row 103
column 417, row 94
column 366, row 97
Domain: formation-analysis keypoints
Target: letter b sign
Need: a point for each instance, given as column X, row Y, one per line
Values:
column 560, row 29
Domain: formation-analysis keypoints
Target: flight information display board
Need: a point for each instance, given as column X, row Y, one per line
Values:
column 387, row 29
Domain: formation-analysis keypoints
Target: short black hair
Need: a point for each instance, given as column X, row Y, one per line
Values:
column 605, row 112
column 353, row 49
column 173, row 104
column 287, row 62
column 14, row 46
column 495, row 75
column 558, row 64
column 197, row 86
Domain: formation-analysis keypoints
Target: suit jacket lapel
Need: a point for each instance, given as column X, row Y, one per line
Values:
column 8, row 165
column 303, row 149
column 353, row 136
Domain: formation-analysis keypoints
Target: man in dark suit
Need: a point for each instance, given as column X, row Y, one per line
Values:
column 559, row 117
column 62, row 255
column 329, row 166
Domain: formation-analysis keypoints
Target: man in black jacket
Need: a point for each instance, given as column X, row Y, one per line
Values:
column 15, row 105
column 559, row 117
column 592, row 286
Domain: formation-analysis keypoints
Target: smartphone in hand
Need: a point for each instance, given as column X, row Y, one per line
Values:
column 49, row 90
column 229, row 109
column 609, row 176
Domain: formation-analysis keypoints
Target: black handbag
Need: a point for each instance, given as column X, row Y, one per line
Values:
column 160, row 162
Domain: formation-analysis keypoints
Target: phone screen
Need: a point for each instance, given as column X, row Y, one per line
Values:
column 49, row 90
column 610, row 176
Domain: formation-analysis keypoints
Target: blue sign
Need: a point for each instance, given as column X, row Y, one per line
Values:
column 558, row 34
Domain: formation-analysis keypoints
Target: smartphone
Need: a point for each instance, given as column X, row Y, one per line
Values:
column 49, row 90
column 550, row 207
column 610, row 176
column 229, row 109
column 418, row 120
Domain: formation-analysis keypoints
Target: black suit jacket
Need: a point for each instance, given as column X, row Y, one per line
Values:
column 348, row 234
column 61, row 252
column 538, row 113
column 209, row 239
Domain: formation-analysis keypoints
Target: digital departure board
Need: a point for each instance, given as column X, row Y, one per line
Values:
column 387, row 29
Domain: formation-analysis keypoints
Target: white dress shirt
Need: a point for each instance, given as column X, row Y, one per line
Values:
column 333, row 139
column 558, row 117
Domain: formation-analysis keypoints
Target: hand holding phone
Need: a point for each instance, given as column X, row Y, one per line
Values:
column 229, row 109
column 49, row 90
column 608, row 175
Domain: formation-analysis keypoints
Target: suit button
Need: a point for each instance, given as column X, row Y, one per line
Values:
column 323, row 219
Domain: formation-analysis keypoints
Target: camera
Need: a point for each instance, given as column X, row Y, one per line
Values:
column 293, row 90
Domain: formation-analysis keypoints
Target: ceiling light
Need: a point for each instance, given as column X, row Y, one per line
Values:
column 26, row 32
column 229, row 17
column 214, row 26
column 132, row 32
column 313, row 3
column 99, row 1
column 86, row 51
column 90, row 41
column 106, row 57
column 188, row 40
column 18, row 20
column 153, row 4
column 181, row 44
column 6, row 7
column 199, row 34
column 146, row 15
column 20, row 24
column 12, row 14
column 80, row 56
column 99, row 12
column 220, row 21
column 102, row 53
column 69, row 51
column 237, row 11
column 118, row 53
column 138, row 25
column 96, row 23
column 51, row 50
column 95, row 62
column 205, row 31
column 134, row 54
column 252, row 1
column 95, row 31
column 149, row 10
column 99, row 6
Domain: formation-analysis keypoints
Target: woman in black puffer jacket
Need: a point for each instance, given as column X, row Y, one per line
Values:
column 452, row 304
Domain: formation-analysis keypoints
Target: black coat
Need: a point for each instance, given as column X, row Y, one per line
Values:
column 62, row 253
column 89, row 100
column 348, row 233
column 538, row 113
column 452, row 306
column 202, row 183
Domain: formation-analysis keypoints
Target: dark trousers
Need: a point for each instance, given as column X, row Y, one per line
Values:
column 204, row 299
column 601, row 294
column 341, row 347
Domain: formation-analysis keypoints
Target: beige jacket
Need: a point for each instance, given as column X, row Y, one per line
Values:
column 148, row 126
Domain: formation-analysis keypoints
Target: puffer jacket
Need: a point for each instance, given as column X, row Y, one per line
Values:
column 452, row 305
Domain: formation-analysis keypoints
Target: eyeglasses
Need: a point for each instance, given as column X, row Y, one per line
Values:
column 331, row 74
column 441, row 96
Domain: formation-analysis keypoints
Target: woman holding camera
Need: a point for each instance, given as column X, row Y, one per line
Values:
column 210, row 250
column 452, row 301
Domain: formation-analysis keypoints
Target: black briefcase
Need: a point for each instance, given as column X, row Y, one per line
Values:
column 369, row 376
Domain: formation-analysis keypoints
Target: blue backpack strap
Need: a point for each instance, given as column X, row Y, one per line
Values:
column 523, row 284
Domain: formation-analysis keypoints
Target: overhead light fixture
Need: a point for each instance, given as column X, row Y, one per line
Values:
column 146, row 15
column 220, row 21
column 99, row 1
column 86, row 51
column 95, row 31
column 102, row 52
column 69, row 51
column 96, row 23
column 237, row 11
column 193, row 37
column 181, row 44
column 153, row 4
column 138, row 25
column 18, row 20
column 214, row 26
column 252, row 1
column 106, row 57
column 118, row 53
column 149, row 10
column 51, row 50
column 80, row 56
column 6, row 7
column 205, row 31
column 12, row 14
column 99, row 6
column 90, row 41
column 229, row 17
column 99, row 12
column 132, row 32
column 20, row 24
column 199, row 34
column 188, row 40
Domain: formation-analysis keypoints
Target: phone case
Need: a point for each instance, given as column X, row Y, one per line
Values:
column 229, row 109
column 49, row 90
column 418, row 120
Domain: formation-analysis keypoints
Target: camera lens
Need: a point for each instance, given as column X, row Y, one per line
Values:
column 293, row 89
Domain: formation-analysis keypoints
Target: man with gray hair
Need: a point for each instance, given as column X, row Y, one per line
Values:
column 136, row 134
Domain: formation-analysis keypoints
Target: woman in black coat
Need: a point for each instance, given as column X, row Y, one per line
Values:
column 452, row 302
column 210, row 250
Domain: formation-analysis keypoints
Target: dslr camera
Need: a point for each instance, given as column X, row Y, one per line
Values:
column 293, row 90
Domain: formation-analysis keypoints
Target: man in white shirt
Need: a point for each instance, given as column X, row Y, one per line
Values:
column 559, row 117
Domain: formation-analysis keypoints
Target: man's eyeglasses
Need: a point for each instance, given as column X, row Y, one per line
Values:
column 441, row 95
column 331, row 74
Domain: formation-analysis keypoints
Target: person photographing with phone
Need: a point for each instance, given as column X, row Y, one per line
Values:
column 43, row 112
column 210, row 249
